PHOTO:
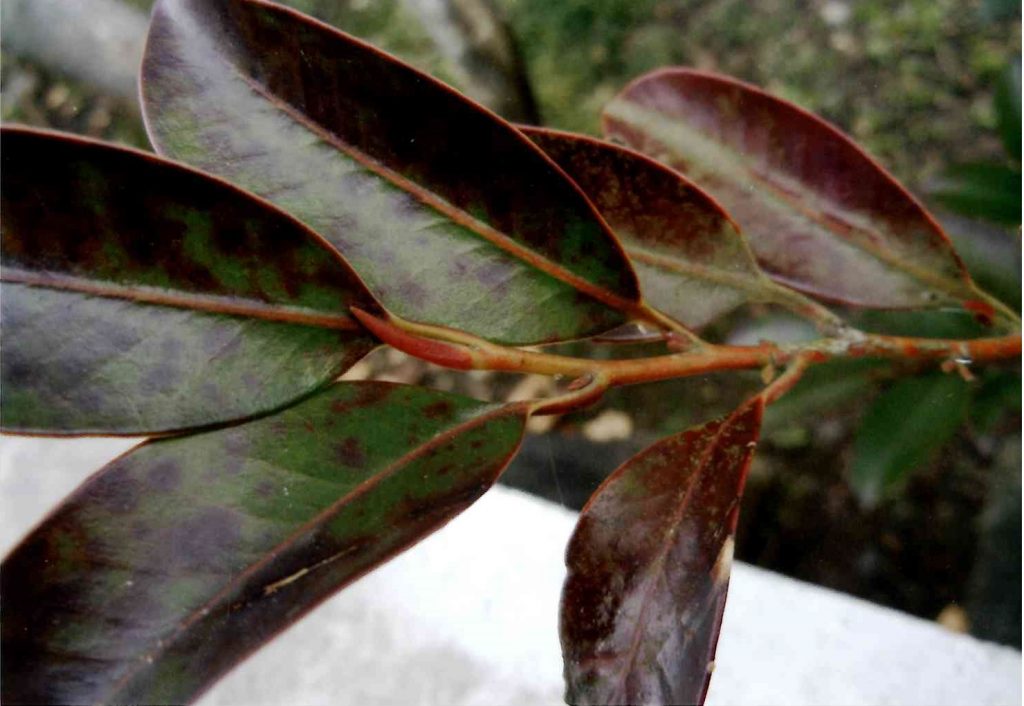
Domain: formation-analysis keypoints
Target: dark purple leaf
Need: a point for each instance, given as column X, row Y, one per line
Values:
column 649, row 568
column 692, row 260
column 819, row 213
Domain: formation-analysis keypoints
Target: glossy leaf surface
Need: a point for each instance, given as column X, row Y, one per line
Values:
column 692, row 261
column 142, row 296
column 904, row 428
column 450, row 215
column 649, row 567
column 819, row 213
column 181, row 557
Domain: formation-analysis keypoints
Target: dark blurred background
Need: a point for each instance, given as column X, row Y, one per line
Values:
column 902, row 490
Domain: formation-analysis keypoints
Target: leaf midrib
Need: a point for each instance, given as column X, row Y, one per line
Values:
column 148, row 658
column 859, row 236
column 659, row 560
column 193, row 301
column 753, row 282
column 431, row 200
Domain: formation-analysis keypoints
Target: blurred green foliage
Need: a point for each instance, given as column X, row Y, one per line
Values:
column 980, row 190
column 903, row 429
column 908, row 79
column 991, row 190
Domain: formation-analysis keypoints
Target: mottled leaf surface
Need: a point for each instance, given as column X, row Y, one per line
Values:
column 142, row 296
column 692, row 261
column 450, row 215
column 182, row 556
column 819, row 213
column 904, row 427
column 649, row 566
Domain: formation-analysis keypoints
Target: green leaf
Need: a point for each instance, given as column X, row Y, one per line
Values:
column 692, row 260
column 648, row 568
column 1008, row 109
column 820, row 215
column 450, row 215
column 181, row 557
column 903, row 429
column 993, row 258
column 988, row 191
column 949, row 323
column 140, row 296
column 821, row 390
column 998, row 395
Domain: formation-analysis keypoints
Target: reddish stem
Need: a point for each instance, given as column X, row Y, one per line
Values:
column 470, row 352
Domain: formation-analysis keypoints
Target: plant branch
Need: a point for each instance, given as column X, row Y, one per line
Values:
column 1002, row 311
column 582, row 392
column 650, row 315
column 827, row 323
column 463, row 351
column 790, row 377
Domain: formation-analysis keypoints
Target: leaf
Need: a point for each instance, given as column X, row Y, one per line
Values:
column 993, row 258
column 822, row 390
column 181, row 557
column 998, row 396
column 820, row 215
column 692, row 261
column 988, row 191
column 450, row 215
column 903, row 428
column 1007, row 103
column 948, row 323
column 649, row 566
column 140, row 296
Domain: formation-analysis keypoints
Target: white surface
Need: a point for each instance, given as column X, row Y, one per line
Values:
column 469, row 617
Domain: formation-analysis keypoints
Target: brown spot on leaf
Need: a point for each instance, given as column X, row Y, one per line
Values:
column 438, row 410
column 366, row 395
column 350, row 453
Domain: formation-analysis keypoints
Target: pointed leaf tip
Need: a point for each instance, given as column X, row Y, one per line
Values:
column 648, row 568
column 693, row 262
column 820, row 214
